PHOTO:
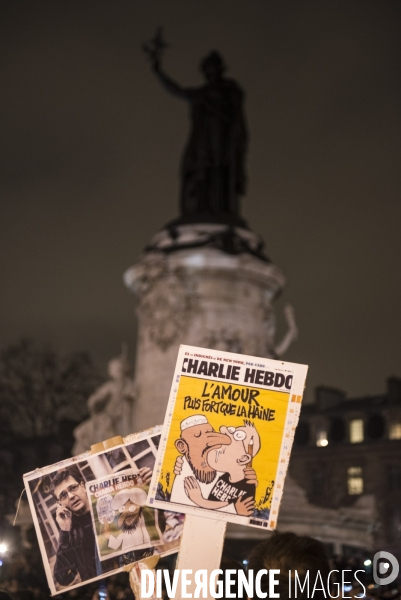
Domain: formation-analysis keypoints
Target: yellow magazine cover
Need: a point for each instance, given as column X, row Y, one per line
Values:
column 227, row 436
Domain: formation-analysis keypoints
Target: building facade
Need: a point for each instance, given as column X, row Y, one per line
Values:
column 349, row 448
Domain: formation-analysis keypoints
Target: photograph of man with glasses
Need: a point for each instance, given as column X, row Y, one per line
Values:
column 76, row 553
column 64, row 518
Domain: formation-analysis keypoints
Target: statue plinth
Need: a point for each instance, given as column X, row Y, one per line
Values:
column 201, row 218
column 203, row 285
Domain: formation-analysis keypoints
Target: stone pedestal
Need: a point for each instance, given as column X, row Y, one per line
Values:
column 202, row 285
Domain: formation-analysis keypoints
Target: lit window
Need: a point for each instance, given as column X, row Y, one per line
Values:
column 321, row 437
column 395, row 431
column 356, row 431
column 355, row 481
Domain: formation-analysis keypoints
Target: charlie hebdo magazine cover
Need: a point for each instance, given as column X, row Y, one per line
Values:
column 227, row 436
column 90, row 515
column 122, row 520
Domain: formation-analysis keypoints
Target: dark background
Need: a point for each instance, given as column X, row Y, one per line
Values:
column 90, row 151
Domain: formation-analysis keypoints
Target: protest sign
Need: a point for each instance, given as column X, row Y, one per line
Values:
column 90, row 515
column 227, row 436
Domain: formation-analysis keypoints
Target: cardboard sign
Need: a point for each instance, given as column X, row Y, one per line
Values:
column 227, row 436
column 90, row 514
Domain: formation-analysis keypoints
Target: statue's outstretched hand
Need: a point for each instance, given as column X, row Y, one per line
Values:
column 178, row 465
column 155, row 48
column 291, row 334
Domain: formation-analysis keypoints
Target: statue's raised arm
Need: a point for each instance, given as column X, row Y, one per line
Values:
column 213, row 165
column 154, row 51
column 170, row 85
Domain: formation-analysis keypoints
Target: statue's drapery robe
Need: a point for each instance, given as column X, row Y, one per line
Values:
column 213, row 173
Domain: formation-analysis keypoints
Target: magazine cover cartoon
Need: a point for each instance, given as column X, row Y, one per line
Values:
column 227, row 442
column 122, row 520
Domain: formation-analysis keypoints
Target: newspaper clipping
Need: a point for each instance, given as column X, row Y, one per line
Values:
column 90, row 514
column 122, row 520
column 227, row 436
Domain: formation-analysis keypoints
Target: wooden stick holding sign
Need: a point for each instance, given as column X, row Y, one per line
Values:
column 201, row 548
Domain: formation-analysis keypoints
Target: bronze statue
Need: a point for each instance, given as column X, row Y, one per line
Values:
column 212, row 171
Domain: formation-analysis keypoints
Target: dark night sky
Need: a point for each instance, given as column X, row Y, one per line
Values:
column 91, row 145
